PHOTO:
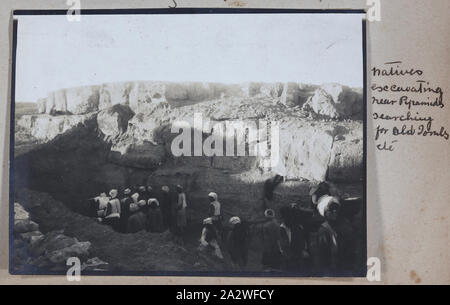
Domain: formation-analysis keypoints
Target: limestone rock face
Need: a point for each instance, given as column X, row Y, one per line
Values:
column 184, row 94
column 22, row 221
column 56, row 102
column 346, row 155
column 132, row 136
column 112, row 94
column 322, row 104
column 347, row 101
column 305, row 91
column 147, row 127
column 46, row 127
column 335, row 101
column 143, row 95
column 113, row 122
column 195, row 92
column 137, row 153
column 273, row 90
column 20, row 213
column 139, row 117
column 82, row 100
column 251, row 89
column 42, row 104
column 309, row 149
column 49, row 103
column 306, row 151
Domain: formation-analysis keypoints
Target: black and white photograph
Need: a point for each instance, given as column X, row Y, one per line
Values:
column 211, row 143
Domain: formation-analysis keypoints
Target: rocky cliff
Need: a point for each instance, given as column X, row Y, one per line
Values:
column 120, row 134
column 337, row 101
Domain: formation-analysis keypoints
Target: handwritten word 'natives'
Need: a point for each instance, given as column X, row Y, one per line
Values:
column 393, row 69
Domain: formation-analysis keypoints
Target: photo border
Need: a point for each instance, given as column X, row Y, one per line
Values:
column 142, row 11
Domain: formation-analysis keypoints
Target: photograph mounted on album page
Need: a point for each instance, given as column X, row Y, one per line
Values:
column 169, row 146
column 232, row 142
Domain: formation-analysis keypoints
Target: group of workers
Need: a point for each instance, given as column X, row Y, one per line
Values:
column 311, row 240
column 296, row 240
column 138, row 209
column 318, row 239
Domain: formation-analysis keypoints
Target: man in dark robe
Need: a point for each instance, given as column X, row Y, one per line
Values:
column 125, row 209
column 271, row 256
column 166, row 207
column 137, row 220
column 238, row 243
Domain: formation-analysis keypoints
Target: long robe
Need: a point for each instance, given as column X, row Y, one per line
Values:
column 238, row 244
column 137, row 222
column 335, row 245
column 271, row 257
column 181, row 210
column 166, row 209
column 292, row 243
column 154, row 220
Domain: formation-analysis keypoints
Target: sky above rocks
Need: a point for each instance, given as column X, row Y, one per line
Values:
column 53, row 53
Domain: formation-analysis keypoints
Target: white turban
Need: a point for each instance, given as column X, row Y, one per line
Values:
column 135, row 197
column 324, row 203
column 269, row 213
column 294, row 205
column 142, row 203
column 113, row 193
column 235, row 220
column 213, row 195
column 165, row 188
column 208, row 221
column 127, row 191
column 151, row 200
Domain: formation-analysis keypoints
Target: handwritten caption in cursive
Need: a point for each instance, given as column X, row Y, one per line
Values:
column 404, row 105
